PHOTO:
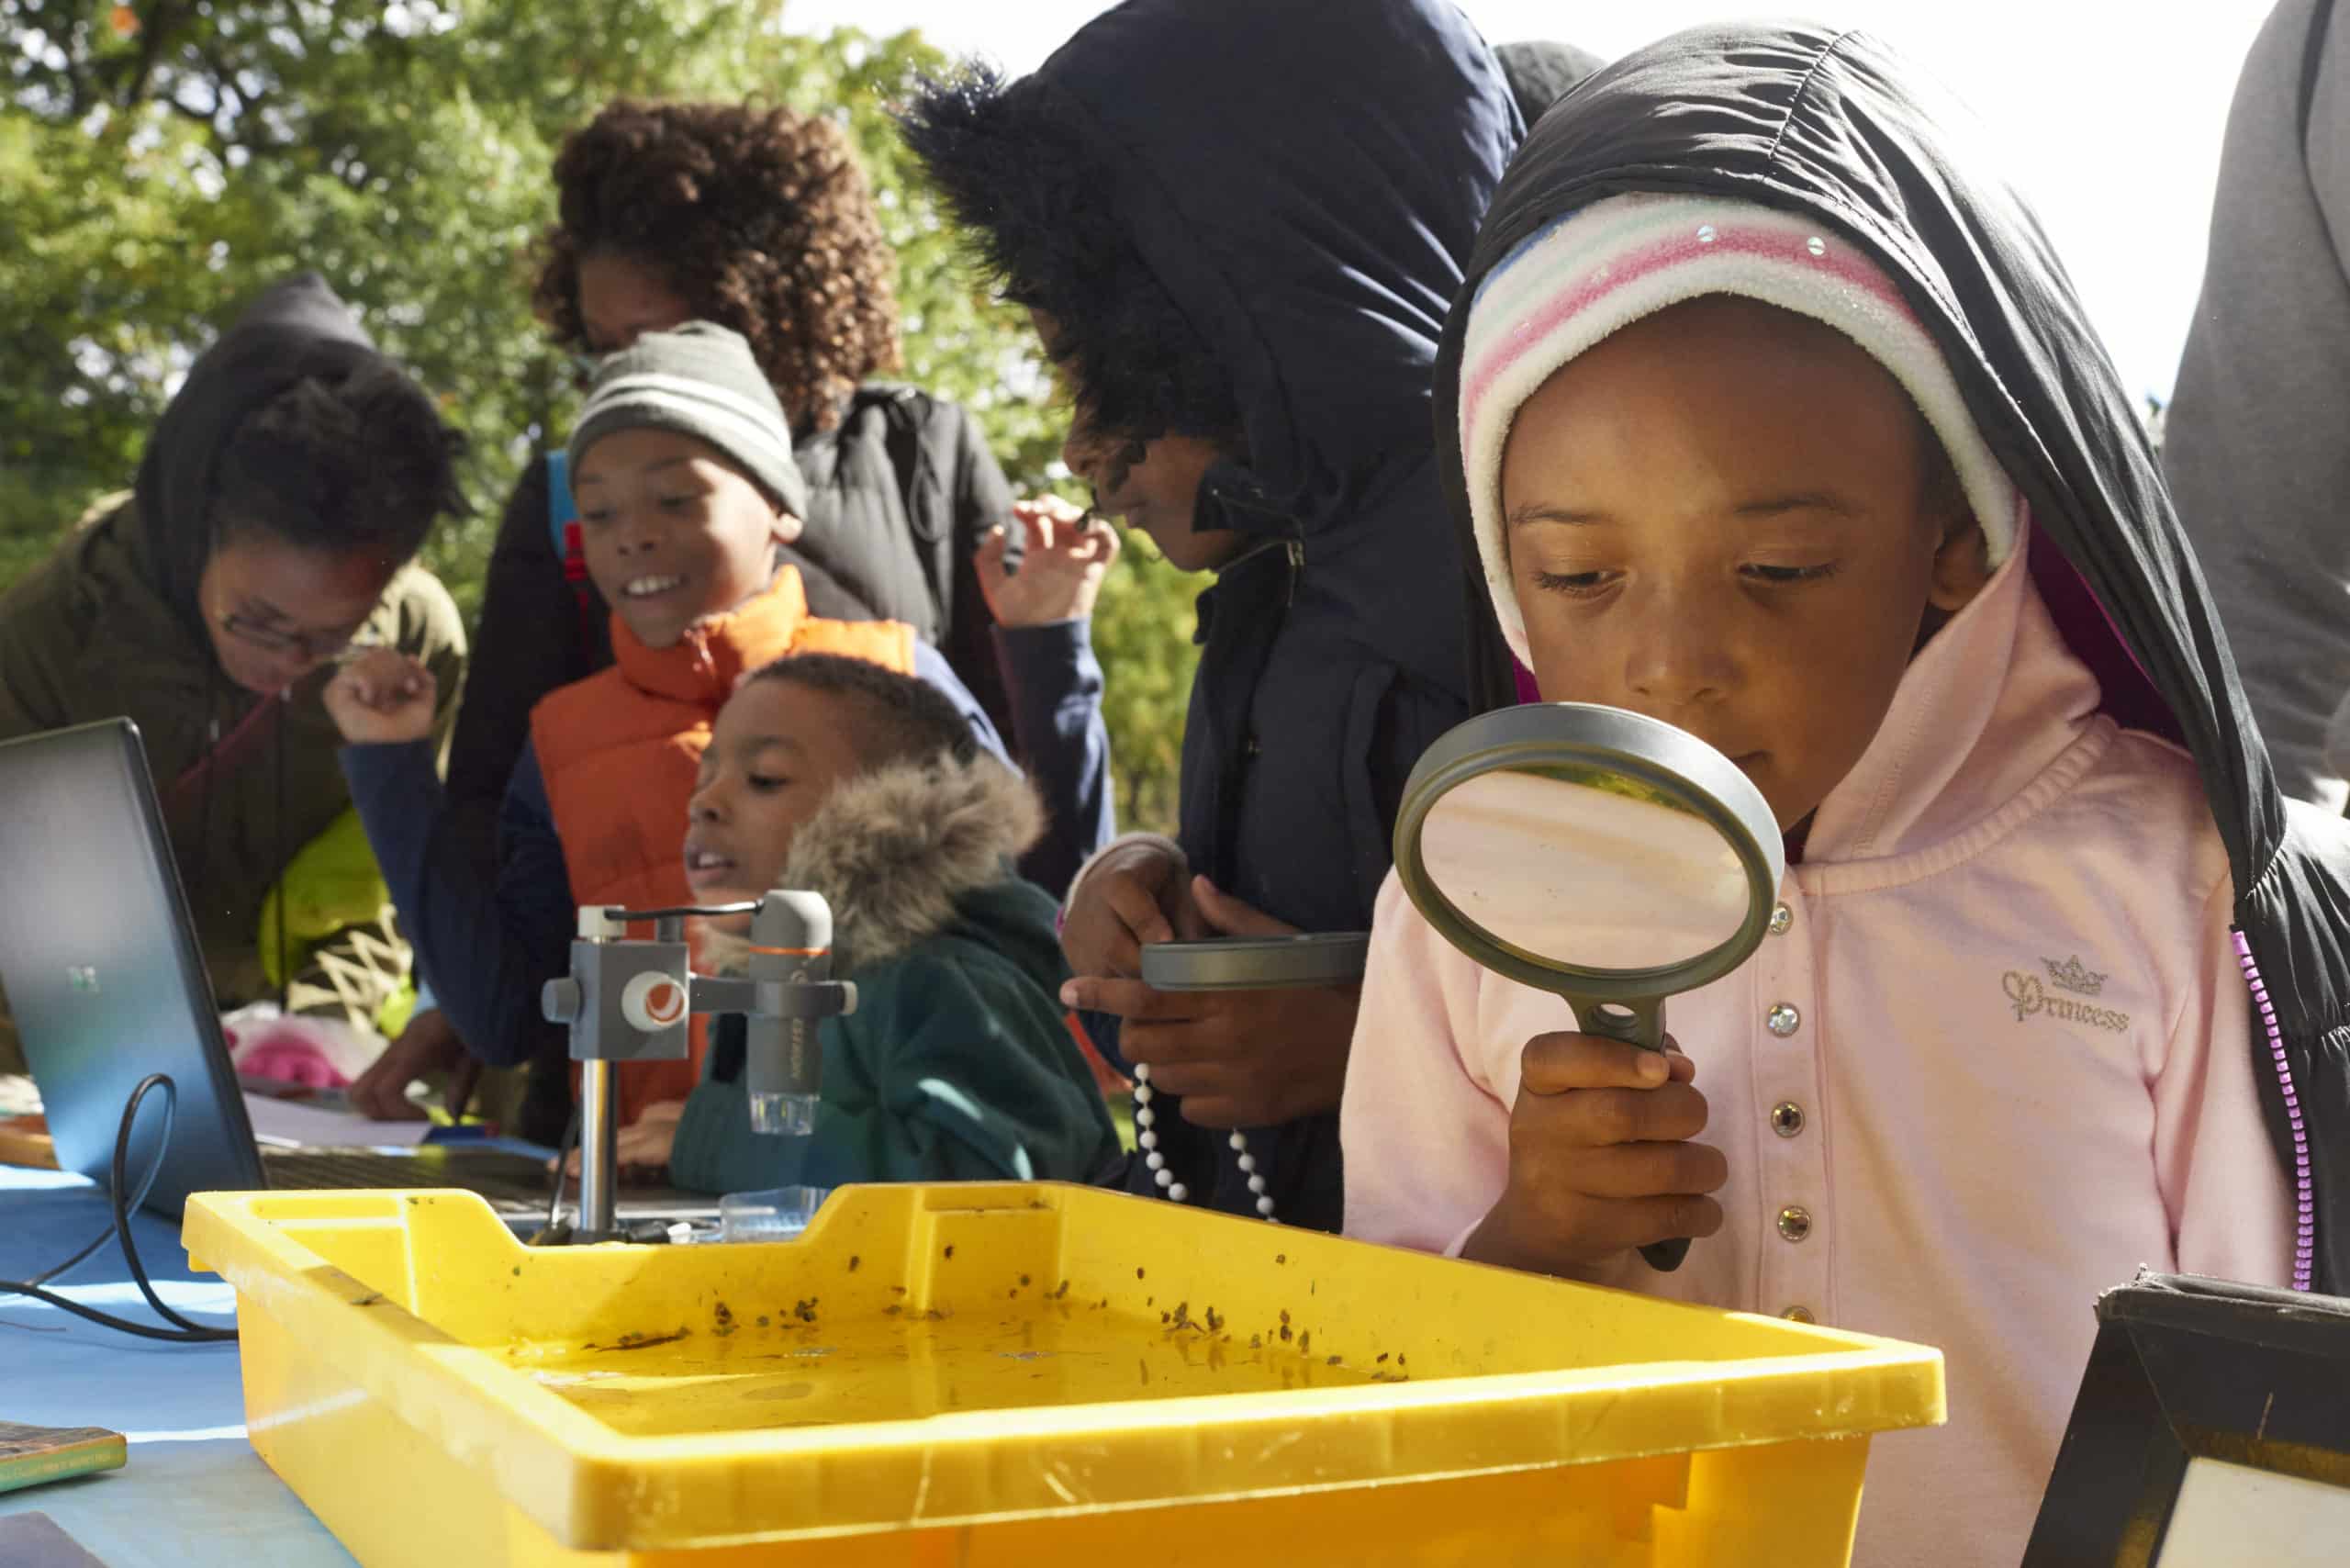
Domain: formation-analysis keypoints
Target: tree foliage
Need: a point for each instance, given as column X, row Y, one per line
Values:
column 160, row 163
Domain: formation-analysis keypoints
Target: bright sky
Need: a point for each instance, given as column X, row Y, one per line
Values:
column 2110, row 116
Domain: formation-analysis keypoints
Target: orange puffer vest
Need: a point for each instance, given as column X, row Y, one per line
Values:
column 620, row 750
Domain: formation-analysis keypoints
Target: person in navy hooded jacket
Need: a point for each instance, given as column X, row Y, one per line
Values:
column 1238, row 228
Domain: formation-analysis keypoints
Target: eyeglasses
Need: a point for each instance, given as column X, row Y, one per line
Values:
column 318, row 648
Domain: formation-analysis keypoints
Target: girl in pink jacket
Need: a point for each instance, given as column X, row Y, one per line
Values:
column 1721, row 386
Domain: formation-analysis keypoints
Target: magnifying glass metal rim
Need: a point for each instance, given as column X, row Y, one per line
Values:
column 1631, row 744
column 1257, row 963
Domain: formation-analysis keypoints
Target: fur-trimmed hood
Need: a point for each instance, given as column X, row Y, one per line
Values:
column 1313, row 253
column 893, row 850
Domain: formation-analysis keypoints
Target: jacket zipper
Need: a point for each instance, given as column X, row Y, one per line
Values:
column 2305, row 1192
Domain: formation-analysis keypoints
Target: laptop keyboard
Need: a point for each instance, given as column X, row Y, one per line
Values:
column 501, row 1177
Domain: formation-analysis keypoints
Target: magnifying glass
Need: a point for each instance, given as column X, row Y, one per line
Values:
column 1610, row 859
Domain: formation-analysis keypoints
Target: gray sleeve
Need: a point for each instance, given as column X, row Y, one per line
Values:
column 2256, row 443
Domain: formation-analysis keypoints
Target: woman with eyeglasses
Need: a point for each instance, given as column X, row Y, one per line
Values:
column 277, row 507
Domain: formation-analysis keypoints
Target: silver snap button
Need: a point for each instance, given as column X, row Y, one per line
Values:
column 1794, row 1222
column 1783, row 920
column 1783, row 1020
column 1786, row 1118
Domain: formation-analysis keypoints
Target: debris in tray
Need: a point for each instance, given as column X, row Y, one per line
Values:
column 642, row 1341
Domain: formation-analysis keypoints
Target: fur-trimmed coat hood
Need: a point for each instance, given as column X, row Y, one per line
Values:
column 895, row 850
column 958, row 1064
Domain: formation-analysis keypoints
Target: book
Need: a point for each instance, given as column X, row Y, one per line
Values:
column 31, row 1455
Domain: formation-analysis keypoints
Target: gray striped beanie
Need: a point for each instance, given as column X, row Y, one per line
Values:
column 701, row 381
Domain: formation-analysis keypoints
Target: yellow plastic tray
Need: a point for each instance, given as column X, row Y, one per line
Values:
column 1021, row 1374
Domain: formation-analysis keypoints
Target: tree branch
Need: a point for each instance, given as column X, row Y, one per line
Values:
column 154, row 32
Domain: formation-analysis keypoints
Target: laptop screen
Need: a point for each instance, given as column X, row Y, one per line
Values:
column 101, row 969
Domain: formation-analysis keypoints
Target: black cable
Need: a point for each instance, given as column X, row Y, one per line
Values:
column 186, row 1331
column 116, row 1188
column 119, row 1324
column 146, row 1185
column 637, row 916
column 154, row 1169
column 77, row 1261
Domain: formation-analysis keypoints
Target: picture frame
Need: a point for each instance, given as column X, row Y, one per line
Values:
column 2211, row 1429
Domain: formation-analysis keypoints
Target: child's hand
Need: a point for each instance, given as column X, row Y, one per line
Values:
column 644, row 1144
column 1599, row 1158
column 1136, row 893
column 1068, row 553
column 382, row 698
column 1236, row 1058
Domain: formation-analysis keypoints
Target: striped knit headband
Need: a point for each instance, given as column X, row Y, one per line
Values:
column 1611, row 264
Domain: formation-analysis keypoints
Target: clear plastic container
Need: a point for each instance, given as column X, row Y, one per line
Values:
column 777, row 1214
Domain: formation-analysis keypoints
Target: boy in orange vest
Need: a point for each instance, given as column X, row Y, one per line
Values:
column 681, row 461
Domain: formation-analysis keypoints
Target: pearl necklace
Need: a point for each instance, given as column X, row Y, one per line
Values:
column 1146, row 1120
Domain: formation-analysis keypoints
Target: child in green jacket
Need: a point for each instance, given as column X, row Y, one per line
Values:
column 851, row 780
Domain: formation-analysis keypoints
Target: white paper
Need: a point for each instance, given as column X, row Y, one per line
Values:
column 291, row 1124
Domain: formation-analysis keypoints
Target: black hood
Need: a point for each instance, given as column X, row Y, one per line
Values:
column 1838, row 127
column 1315, row 252
column 1301, row 181
column 297, row 328
column 1541, row 74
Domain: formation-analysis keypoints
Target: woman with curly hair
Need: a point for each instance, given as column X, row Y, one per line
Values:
column 760, row 220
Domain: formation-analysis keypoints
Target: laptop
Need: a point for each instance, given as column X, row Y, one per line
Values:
column 103, row 973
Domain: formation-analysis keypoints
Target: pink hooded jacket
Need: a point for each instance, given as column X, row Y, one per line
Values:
column 1968, row 1084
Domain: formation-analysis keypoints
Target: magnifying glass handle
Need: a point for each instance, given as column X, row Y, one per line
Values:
column 1665, row 1256
column 1641, row 1025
